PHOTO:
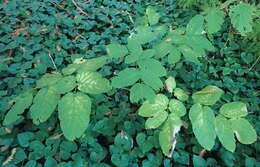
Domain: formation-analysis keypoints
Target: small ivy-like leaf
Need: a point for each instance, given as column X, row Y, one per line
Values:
column 150, row 109
column 116, row 50
column 243, row 130
column 234, row 110
column 177, row 107
column 181, row 94
column 74, row 111
column 93, row 83
column 208, row 95
column 48, row 80
column 152, row 15
column 126, row 77
column 141, row 91
column 214, row 19
column 170, row 84
column 202, row 120
column 22, row 102
column 44, row 104
column 195, row 25
column 225, row 133
column 156, row 120
column 241, row 17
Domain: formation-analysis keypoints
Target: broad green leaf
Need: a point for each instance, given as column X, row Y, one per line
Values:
column 65, row 84
column 208, row 95
column 152, row 15
column 141, row 91
column 189, row 54
column 22, row 102
column 234, row 110
column 241, row 17
column 153, row 66
column 162, row 49
column 195, row 25
column 92, row 64
column 181, row 94
column 149, row 109
column 151, row 79
column 202, row 120
column 199, row 44
column 225, row 133
column 175, row 120
column 144, row 35
column 44, row 104
column 48, row 80
column 244, row 131
column 167, row 137
column 93, row 83
column 74, row 111
column 170, row 84
column 116, row 50
column 148, row 53
column 174, row 56
column 135, row 49
column 156, row 120
column 126, row 77
column 71, row 68
column 177, row 107
column 214, row 19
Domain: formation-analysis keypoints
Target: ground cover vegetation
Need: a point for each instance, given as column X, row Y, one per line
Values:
column 129, row 83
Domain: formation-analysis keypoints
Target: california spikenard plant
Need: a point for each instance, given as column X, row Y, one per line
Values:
column 149, row 50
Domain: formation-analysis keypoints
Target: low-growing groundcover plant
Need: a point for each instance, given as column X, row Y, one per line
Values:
column 144, row 72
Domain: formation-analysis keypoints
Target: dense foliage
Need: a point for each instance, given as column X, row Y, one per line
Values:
column 129, row 83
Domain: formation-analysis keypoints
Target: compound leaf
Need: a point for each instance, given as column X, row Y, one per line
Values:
column 93, row 83
column 74, row 111
column 208, row 95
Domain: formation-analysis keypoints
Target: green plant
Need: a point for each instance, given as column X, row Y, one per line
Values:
column 146, row 67
column 68, row 91
column 160, row 65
